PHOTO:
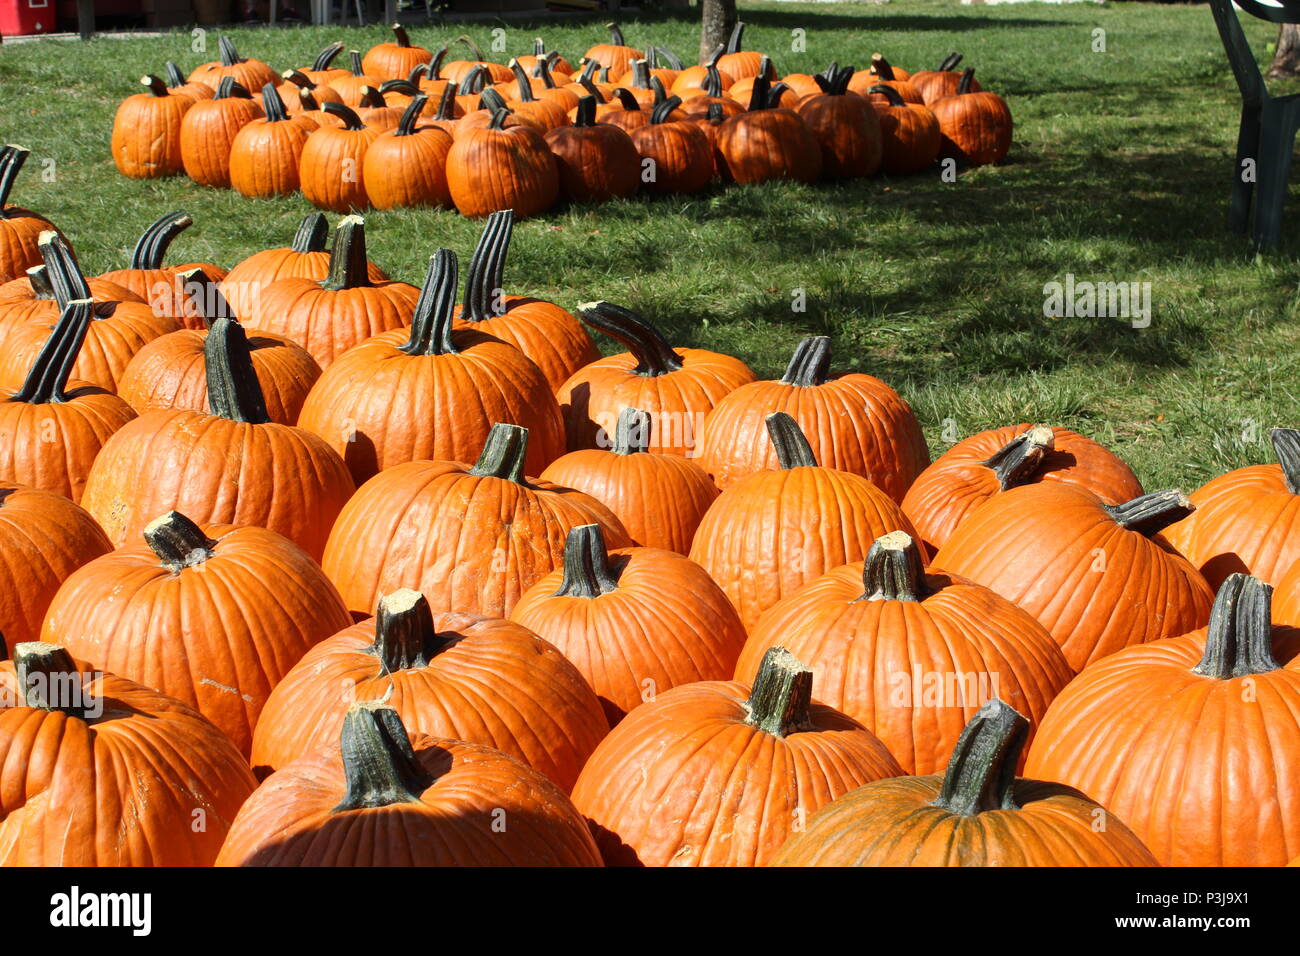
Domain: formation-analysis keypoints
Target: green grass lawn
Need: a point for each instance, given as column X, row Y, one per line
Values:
column 1119, row 172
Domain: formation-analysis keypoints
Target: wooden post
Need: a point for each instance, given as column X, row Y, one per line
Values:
column 86, row 18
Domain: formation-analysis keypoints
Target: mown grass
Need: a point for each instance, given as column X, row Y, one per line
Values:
column 1119, row 172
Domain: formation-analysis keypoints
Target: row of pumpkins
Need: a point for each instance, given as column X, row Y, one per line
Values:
column 401, row 581
column 403, row 128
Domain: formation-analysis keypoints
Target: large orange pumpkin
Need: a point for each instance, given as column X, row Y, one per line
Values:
column 988, row 463
column 1097, row 576
column 660, row 499
column 331, row 170
column 767, row 535
column 676, row 387
column 265, row 153
column 406, row 166
column 44, row 537
column 853, row 422
column 470, row 538
column 100, row 771
column 498, row 167
column 979, row 813
column 428, row 392
column 720, row 773
column 768, row 141
column 211, row 616
column 209, row 129
column 1247, row 520
column 635, row 621
column 146, row 140
column 911, row 653
column 395, row 59
column 250, row 73
column 473, row 678
column 975, row 126
column 615, row 56
column 234, row 466
column 846, row 126
column 329, row 316
column 1194, row 741
column 382, row 798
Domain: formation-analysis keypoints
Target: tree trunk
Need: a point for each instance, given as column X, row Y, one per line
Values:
column 718, row 18
column 1287, row 60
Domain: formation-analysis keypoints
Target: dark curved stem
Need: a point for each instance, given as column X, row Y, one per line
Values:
column 628, row 101
column 38, row 277
column 587, row 572
column 890, row 94
column 446, row 103
column 716, row 114
column 1150, row 514
column 810, row 363
column 653, row 354
column 585, row 115
column 349, row 117
column 154, row 85
column 632, row 433
column 468, row 42
column 712, row 81
column 758, row 93
column 967, row 77
column 484, row 278
column 354, row 63
column 233, row 390
column 663, row 111
column 379, row 766
column 64, row 273
column 893, row 570
column 229, row 55
column 432, row 323
column 406, row 125
column 155, row 240
column 371, row 98
column 175, row 78
column 499, row 118
column 312, row 234
column 615, row 34
column 272, row 105
column 949, row 62
column 668, row 56
column 47, row 381
column 48, row 678
column 780, row 700
column 229, row 89
column 404, row 634
column 641, row 74
column 522, row 83
column 326, row 56
column 11, row 163
column 880, row 66
column 543, row 71
column 1239, row 641
column 1286, row 446
column 503, row 453
column 474, row 81
column 204, row 294
column 981, row 774
column 491, row 100
column 737, row 35
column 433, row 69
column 178, row 542
column 299, row 79
column 792, row 448
column 349, row 268
column 1019, row 460
column 400, row 36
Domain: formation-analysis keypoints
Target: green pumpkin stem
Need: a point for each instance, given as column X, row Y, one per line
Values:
column 405, row 637
column 981, row 774
column 737, row 35
column 154, row 241
column 400, row 36
column 625, row 97
column 1020, row 459
column 371, row 98
column 175, row 78
column 431, row 325
column 349, row 117
column 446, row 104
column 379, row 765
column 47, row 380
column 522, row 83
column 668, row 56
column 65, row 275
column 326, row 56
column 894, row 570
column 272, row 105
column 354, row 58
column 654, row 356
column 154, row 85
column 1239, row 641
column 1152, row 513
column 11, row 163
column 491, row 100
column 615, row 34
column 46, row 676
column 543, row 71
column 503, row 454
column 712, row 81
column 949, row 62
column 433, row 69
column 758, row 94
column 587, row 571
column 588, row 74
column 483, row 280
column 312, row 234
column 810, row 363
column 780, row 699
column 967, row 77
column 229, row 55
column 205, row 295
column 712, row 61
column 233, row 390
column 662, row 113
column 715, row 113
column 632, row 433
column 406, row 125
column 178, row 542
column 1286, row 446
column 836, row 84
column 881, row 67
column 466, row 41
column 641, row 74
column 229, row 89
column 400, row 87
column 890, row 94
column 792, row 448
column 349, row 267
column 585, row 115
column 499, row 118
column 299, row 79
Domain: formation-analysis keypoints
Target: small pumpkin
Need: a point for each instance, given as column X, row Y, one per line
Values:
column 331, row 315
column 1193, row 740
column 20, row 228
column 44, row 537
column 770, row 533
column 51, row 431
column 265, row 154
column 471, row 538
column 1097, row 576
column 846, row 128
column 912, row 653
column 615, row 56
column 485, row 680
column 146, row 140
column 395, row 59
column 208, row 131
column 498, row 168
column 677, row 388
column 212, row 616
column 297, row 83
column 383, row 798
column 908, row 131
column 597, row 161
column 675, row 155
column 769, row 142
column 634, row 621
column 990, row 462
column 852, row 421
column 375, row 111
column 975, row 126
column 721, row 773
column 429, row 392
column 549, row 108
column 978, row 813
column 322, row 70
column 330, row 170
column 233, row 466
column 660, row 499
column 406, row 166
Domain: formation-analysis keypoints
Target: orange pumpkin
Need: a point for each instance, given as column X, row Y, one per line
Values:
column 495, row 167
column 251, row 74
column 979, row 813
column 846, row 127
column 597, row 161
column 19, row 228
column 615, row 56
column 331, row 169
column 881, row 74
column 934, row 85
column 470, row 538
column 768, row 534
column 911, row 653
column 908, row 131
column 635, row 622
column 768, row 141
column 721, row 773
column 381, row 798
column 395, row 59
column 406, row 166
column 485, row 680
column 146, row 141
column 738, row 63
column 1193, row 741
column 676, row 156
column 265, row 153
column 208, row 132
column 975, row 127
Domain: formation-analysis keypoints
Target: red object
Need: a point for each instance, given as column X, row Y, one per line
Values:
column 24, row 17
